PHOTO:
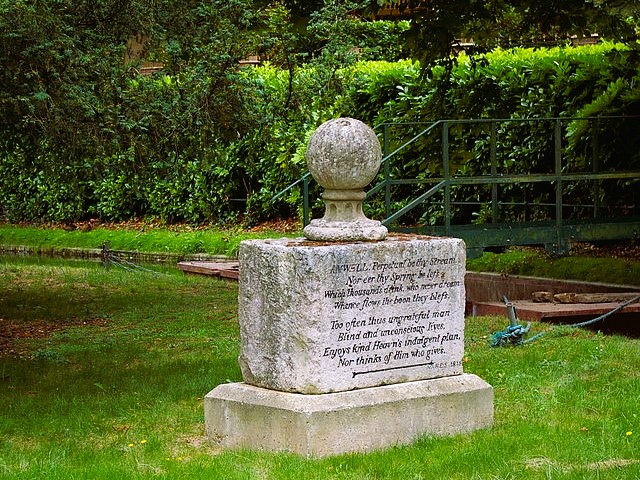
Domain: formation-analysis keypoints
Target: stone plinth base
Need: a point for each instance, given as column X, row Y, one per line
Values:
column 238, row 415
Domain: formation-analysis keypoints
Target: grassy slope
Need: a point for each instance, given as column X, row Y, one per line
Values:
column 116, row 392
column 143, row 239
column 622, row 271
column 225, row 242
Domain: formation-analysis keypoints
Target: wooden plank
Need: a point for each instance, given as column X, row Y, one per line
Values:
column 583, row 297
column 594, row 297
column 227, row 270
column 532, row 311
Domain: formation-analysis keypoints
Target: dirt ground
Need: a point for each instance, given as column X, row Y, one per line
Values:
column 627, row 250
column 12, row 331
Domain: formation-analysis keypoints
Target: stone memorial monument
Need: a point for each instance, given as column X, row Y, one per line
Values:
column 351, row 339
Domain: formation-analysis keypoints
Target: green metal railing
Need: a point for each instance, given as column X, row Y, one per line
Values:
column 556, row 234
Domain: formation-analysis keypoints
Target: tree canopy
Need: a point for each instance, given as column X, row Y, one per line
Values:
column 62, row 62
column 436, row 25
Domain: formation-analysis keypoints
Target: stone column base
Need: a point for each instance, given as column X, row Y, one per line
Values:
column 238, row 415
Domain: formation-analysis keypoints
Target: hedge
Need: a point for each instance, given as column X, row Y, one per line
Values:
column 160, row 157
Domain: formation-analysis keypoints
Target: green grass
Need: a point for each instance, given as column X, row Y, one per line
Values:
column 516, row 261
column 621, row 271
column 114, row 390
column 144, row 239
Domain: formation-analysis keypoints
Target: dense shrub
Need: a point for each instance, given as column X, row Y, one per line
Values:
column 204, row 145
column 597, row 80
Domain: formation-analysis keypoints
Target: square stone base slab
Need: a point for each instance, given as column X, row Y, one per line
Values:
column 238, row 415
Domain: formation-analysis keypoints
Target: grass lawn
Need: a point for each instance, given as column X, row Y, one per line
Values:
column 619, row 265
column 140, row 237
column 102, row 375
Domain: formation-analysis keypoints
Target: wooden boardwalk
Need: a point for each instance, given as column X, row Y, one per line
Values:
column 534, row 311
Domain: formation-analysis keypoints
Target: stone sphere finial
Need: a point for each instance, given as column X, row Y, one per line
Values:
column 344, row 156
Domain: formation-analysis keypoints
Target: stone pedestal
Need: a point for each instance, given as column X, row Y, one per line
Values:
column 320, row 318
column 238, row 415
column 349, row 347
column 348, row 344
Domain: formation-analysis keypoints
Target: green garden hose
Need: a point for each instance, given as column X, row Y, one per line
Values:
column 514, row 334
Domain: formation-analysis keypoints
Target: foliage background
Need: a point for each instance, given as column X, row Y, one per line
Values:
column 83, row 135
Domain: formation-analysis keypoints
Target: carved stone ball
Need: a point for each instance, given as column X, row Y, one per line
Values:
column 344, row 154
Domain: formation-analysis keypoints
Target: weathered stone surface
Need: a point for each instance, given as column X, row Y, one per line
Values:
column 323, row 230
column 344, row 156
column 319, row 318
column 238, row 415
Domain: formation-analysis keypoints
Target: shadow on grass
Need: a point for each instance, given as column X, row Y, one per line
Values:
column 83, row 343
column 143, row 386
column 38, row 304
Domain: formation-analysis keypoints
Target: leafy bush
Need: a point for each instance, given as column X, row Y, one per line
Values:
column 516, row 84
column 206, row 141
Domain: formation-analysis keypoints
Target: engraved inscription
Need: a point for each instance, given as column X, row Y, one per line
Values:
column 395, row 315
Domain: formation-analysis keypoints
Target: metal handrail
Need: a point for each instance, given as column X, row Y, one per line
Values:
column 558, row 177
column 387, row 155
column 445, row 183
column 282, row 192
